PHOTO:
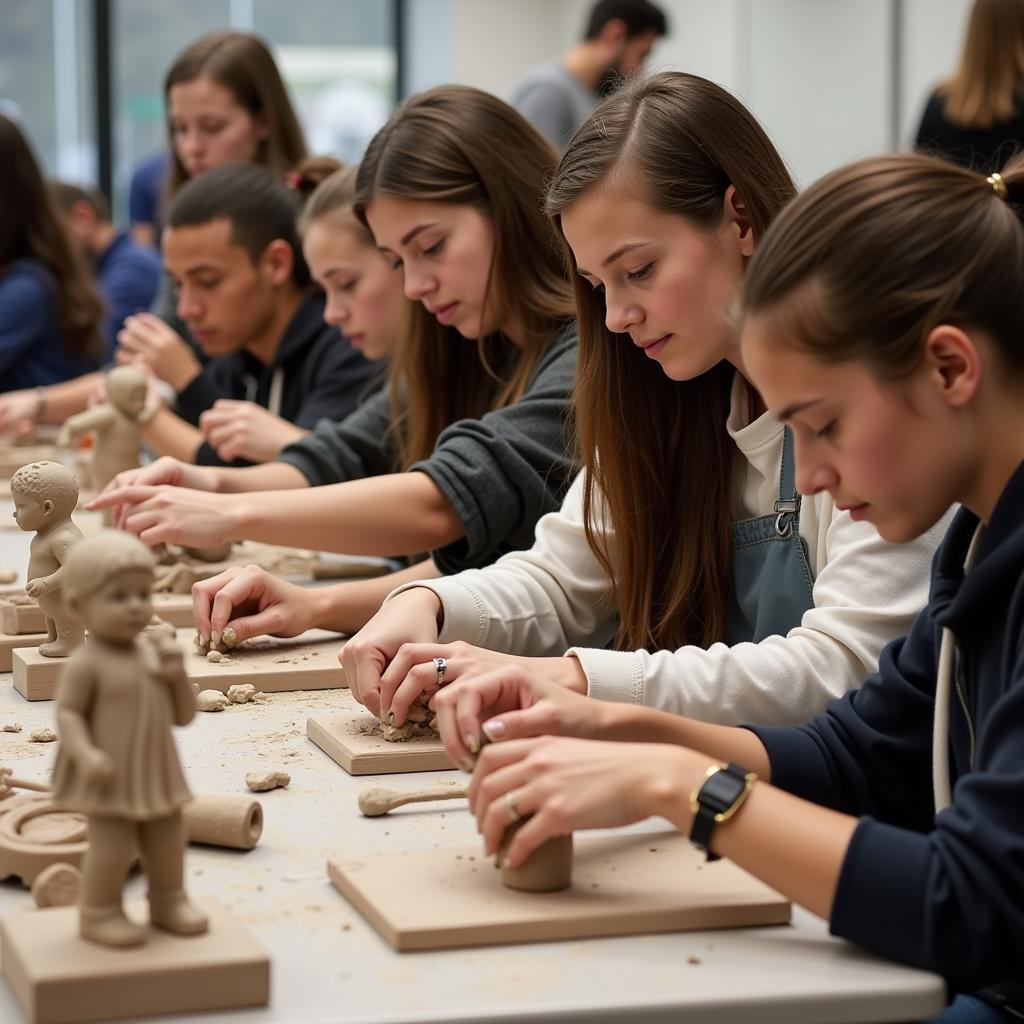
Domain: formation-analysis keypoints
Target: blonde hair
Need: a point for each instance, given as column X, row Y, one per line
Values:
column 985, row 90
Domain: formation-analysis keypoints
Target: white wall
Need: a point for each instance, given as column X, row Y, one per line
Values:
column 817, row 73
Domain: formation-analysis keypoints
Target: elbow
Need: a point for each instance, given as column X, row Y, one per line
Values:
column 441, row 527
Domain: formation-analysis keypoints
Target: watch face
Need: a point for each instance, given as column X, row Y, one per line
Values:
column 721, row 790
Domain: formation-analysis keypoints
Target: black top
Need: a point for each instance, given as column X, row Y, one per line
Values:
column 321, row 376
column 941, row 891
column 983, row 149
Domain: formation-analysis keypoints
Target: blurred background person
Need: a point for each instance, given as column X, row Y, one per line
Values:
column 976, row 118
column 557, row 96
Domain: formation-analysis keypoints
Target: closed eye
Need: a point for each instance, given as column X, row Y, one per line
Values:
column 434, row 249
column 642, row 273
column 828, row 430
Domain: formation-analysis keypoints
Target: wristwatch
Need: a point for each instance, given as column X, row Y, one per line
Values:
column 720, row 796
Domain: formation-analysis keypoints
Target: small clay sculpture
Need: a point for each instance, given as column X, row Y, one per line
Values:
column 547, row 869
column 117, row 424
column 118, row 696
column 45, row 494
column 376, row 802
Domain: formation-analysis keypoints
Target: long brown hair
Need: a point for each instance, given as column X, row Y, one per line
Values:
column 243, row 64
column 329, row 192
column 986, row 89
column 657, row 456
column 455, row 144
column 31, row 228
column 873, row 256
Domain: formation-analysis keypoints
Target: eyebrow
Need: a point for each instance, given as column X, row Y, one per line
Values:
column 791, row 410
column 410, row 235
column 608, row 260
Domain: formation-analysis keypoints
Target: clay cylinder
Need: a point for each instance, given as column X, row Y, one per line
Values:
column 232, row 821
column 547, row 869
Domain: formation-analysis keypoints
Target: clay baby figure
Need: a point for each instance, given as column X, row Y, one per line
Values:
column 45, row 495
column 118, row 697
column 117, row 424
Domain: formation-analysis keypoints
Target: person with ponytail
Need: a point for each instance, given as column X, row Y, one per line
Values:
column 469, row 443
column 882, row 320
column 684, row 544
column 50, row 313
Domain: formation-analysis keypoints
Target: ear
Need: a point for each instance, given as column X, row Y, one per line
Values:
column 262, row 128
column 82, row 214
column 48, row 507
column 614, row 34
column 277, row 262
column 953, row 364
column 735, row 212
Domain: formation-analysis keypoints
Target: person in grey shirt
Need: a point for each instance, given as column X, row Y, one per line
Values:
column 557, row 96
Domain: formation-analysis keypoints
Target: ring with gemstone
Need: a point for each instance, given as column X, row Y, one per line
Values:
column 440, row 664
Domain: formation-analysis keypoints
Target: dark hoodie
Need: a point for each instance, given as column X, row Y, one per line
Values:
column 318, row 376
column 943, row 891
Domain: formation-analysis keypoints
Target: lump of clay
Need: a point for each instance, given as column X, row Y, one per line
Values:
column 260, row 782
column 241, row 693
column 417, row 723
column 44, row 734
column 12, row 727
column 58, row 885
column 216, row 656
column 211, row 700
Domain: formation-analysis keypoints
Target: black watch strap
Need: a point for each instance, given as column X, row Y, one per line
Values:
column 724, row 789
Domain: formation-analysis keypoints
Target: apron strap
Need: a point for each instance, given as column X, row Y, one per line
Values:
column 787, row 508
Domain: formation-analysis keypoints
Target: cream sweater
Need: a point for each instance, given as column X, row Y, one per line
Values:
column 556, row 598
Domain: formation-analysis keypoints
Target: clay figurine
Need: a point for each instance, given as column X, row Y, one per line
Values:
column 117, row 423
column 44, row 495
column 117, row 698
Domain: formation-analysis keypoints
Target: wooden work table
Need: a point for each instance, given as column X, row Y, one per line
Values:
column 330, row 965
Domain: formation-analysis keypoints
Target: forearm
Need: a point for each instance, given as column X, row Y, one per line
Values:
column 398, row 514
column 67, row 398
column 269, row 476
column 168, row 434
column 347, row 607
column 630, row 723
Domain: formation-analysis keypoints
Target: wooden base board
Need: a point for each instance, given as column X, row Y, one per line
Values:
column 271, row 664
column 35, row 677
column 622, row 885
column 175, row 609
column 9, row 643
column 12, row 459
column 59, row 978
column 21, row 615
column 342, row 737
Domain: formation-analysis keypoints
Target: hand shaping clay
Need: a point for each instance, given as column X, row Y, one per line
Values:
column 118, row 696
column 547, row 869
column 44, row 495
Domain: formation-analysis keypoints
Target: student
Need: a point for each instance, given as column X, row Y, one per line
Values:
column 558, row 96
column 226, row 103
column 145, row 199
column 684, row 543
column 127, row 273
column 468, row 445
column 50, row 314
column 977, row 118
column 883, row 321
column 275, row 368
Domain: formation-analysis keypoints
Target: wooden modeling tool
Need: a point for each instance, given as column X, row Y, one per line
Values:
column 376, row 802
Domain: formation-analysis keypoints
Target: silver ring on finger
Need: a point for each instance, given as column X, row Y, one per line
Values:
column 510, row 808
column 440, row 664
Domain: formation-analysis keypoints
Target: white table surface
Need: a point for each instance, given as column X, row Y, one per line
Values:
column 329, row 965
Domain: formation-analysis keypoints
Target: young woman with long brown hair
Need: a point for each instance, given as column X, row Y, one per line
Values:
column 684, row 543
column 50, row 313
column 882, row 320
column 467, row 446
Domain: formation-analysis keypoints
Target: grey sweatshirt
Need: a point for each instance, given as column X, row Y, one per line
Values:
column 501, row 472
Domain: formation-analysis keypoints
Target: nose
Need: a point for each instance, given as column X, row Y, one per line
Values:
column 188, row 307
column 620, row 316
column 813, row 474
column 190, row 144
column 418, row 283
column 337, row 313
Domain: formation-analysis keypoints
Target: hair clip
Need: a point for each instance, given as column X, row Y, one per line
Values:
column 998, row 186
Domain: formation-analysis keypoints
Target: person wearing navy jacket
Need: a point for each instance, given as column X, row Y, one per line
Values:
column 882, row 319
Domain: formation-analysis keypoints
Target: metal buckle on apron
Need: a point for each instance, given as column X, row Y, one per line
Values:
column 785, row 512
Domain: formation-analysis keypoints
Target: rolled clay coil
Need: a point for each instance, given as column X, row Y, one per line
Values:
column 35, row 834
column 232, row 821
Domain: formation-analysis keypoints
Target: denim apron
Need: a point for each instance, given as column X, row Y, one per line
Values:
column 771, row 579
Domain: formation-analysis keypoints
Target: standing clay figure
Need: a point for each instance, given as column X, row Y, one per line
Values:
column 45, row 495
column 117, row 698
column 117, row 424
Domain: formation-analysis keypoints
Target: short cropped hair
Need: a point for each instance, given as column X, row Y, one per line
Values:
column 639, row 16
column 48, row 481
column 93, row 560
column 259, row 209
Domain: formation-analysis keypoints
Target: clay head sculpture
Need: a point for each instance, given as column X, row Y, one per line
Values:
column 118, row 696
column 126, row 388
column 44, row 495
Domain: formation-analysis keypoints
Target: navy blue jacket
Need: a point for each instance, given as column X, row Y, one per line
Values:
column 943, row 892
column 323, row 377
column 128, row 275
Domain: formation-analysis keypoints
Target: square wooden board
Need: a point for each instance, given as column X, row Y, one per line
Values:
column 8, row 643
column 35, row 677
column 271, row 664
column 58, row 978
column 21, row 615
column 12, row 459
column 340, row 735
column 175, row 609
column 622, row 885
